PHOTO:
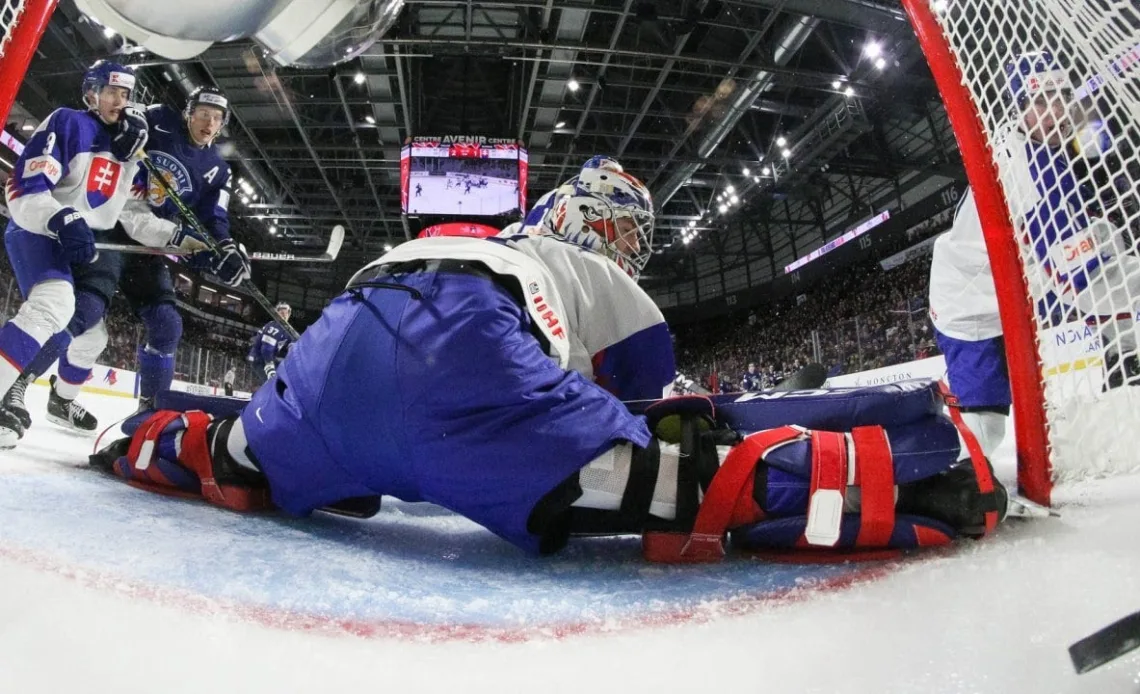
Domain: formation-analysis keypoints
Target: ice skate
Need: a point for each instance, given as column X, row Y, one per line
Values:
column 68, row 413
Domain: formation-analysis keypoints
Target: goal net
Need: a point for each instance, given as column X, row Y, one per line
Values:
column 22, row 24
column 1044, row 99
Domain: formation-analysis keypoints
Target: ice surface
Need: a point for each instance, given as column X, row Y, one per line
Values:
column 107, row 589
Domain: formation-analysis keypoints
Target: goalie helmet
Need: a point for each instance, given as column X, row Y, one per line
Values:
column 610, row 212
column 104, row 73
column 601, row 161
column 208, row 96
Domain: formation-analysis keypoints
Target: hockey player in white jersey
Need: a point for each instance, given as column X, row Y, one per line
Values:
column 76, row 174
column 1080, row 259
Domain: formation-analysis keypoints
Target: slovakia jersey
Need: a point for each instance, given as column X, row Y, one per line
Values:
column 1048, row 207
column 198, row 174
column 963, row 301
column 596, row 320
column 68, row 163
column 270, row 343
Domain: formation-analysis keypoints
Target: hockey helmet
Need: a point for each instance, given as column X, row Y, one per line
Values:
column 285, row 308
column 208, row 96
column 104, row 73
column 610, row 212
column 1031, row 74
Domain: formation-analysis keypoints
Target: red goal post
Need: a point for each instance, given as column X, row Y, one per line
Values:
column 22, row 23
column 1069, row 420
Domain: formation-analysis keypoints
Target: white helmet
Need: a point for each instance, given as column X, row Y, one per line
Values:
column 608, row 211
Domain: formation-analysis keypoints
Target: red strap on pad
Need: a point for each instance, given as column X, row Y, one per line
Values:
column 875, row 475
column 828, row 485
column 977, row 456
column 706, row 541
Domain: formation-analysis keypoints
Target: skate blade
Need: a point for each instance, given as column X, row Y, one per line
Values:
column 67, row 424
column 1020, row 507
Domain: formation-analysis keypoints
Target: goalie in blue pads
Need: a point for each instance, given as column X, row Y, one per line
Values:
column 505, row 363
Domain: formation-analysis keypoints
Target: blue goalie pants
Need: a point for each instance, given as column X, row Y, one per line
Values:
column 430, row 388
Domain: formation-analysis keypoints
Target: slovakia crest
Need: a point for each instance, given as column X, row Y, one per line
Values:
column 102, row 180
column 176, row 175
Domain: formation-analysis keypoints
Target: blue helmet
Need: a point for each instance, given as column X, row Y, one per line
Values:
column 104, row 73
column 1031, row 74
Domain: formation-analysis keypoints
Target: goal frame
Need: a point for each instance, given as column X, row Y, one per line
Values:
column 1022, row 349
column 28, row 28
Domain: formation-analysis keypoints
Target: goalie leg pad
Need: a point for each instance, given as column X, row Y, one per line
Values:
column 185, row 454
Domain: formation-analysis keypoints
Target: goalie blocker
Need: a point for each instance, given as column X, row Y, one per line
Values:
column 850, row 469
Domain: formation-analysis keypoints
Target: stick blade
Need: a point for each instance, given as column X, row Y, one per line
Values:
column 336, row 240
column 1106, row 645
column 809, row 377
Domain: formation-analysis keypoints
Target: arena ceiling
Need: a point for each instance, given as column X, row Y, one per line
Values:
column 687, row 94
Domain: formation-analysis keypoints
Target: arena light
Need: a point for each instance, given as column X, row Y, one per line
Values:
column 849, row 92
column 835, row 84
column 722, row 209
column 560, row 124
column 730, row 190
column 573, row 85
column 786, row 153
column 692, row 223
column 880, row 63
column 370, row 120
column 745, row 171
column 872, row 49
column 734, row 200
column 766, row 171
column 387, row 247
column 781, row 141
column 358, row 78
column 272, row 230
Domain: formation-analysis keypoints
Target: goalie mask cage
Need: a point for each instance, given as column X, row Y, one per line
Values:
column 22, row 24
column 1056, row 184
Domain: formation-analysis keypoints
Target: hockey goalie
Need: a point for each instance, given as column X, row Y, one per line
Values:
column 518, row 380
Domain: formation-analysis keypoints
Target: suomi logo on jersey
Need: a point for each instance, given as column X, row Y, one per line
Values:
column 175, row 174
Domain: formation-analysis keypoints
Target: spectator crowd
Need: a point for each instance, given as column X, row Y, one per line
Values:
column 861, row 318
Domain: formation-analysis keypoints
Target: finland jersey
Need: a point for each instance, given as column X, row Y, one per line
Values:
column 68, row 163
column 596, row 319
column 198, row 174
column 269, row 343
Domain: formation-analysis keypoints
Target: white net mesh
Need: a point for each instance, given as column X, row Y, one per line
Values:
column 9, row 13
column 1055, row 84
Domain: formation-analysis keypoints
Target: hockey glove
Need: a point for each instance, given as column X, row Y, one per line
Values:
column 132, row 134
column 188, row 239
column 270, row 371
column 231, row 263
column 71, row 229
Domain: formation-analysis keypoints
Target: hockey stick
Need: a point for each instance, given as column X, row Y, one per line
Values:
column 193, row 221
column 336, row 240
column 1105, row 645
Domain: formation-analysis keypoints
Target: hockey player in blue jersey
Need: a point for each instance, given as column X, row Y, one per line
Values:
column 501, row 362
column 74, row 178
column 270, row 345
column 181, row 148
